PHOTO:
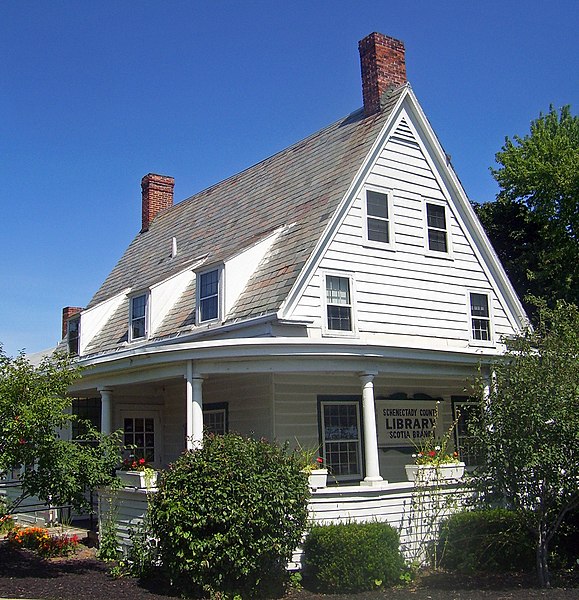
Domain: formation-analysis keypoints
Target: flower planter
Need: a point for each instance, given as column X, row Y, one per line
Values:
column 138, row 479
column 430, row 474
column 318, row 478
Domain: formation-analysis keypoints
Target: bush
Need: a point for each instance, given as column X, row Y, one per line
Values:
column 228, row 516
column 39, row 540
column 486, row 540
column 353, row 556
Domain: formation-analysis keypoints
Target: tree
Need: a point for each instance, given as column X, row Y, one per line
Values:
column 534, row 222
column 528, row 427
column 34, row 412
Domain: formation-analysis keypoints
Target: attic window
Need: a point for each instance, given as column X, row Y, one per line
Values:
column 437, row 228
column 138, row 317
column 480, row 317
column 208, row 301
column 338, row 304
column 73, row 335
column 377, row 211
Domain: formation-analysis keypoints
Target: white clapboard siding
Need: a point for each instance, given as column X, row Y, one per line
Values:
column 405, row 289
column 414, row 511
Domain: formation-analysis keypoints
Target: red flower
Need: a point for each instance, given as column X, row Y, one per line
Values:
column 319, row 460
column 432, row 453
column 22, row 441
column 141, row 461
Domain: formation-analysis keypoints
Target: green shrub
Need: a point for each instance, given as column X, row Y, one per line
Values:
column 353, row 556
column 228, row 516
column 486, row 540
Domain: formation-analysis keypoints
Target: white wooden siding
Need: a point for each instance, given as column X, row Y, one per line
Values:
column 408, row 291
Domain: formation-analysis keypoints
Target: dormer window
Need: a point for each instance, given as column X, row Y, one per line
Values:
column 73, row 335
column 138, row 317
column 208, row 296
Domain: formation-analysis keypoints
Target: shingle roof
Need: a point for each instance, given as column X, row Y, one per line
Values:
column 300, row 186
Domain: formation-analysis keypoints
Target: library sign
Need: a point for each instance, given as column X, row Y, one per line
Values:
column 404, row 422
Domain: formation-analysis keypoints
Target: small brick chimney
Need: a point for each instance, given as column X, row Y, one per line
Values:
column 383, row 67
column 67, row 313
column 157, row 193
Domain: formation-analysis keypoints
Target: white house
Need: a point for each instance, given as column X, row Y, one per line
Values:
column 325, row 296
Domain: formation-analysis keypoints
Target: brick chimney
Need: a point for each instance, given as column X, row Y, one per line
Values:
column 383, row 67
column 157, row 193
column 67, row 313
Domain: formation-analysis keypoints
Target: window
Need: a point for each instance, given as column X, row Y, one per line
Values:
column 464, row 408
column 86, row 410
column 139, row 436
column 73, row 331
column 377, row 217
column 437, row 233
column 215, row 418
column 338, row 303
column 480, row 317
column 208, row 296
column 138, row 317
column 341, row 438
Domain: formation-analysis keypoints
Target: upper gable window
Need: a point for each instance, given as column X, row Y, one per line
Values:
column 437, row 227
column 377, row 211
column 73, row 335
column 480, row 317
column 208, row 301
column 138, row 317
column 338, row 304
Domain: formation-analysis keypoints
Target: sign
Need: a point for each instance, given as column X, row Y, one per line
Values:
column 404, row 422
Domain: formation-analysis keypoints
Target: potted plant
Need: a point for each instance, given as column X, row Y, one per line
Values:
column 313, row 466
column 137, row 473
column 433, row 462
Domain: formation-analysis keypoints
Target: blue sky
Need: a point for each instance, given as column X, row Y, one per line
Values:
column 94, row 95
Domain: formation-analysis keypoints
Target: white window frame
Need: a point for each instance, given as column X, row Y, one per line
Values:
column 447, row 214
column 198, row 276
column 132, row 297
column 358, row 441
column 473, row 340
column 389, row 194
column 353, row 332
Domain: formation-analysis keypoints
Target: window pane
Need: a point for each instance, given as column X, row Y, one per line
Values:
column 479, row 305
column 437, row 240
column 337, row 290
column 138, row 306
column 209, row 284
column 436, row 216
column 341, row 440
column 378, row 230
column 208, row 309
column 377, row 204
column 339, row 318
column 481, row 329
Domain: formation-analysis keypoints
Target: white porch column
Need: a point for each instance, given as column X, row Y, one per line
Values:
column 106, row 412
column 194, row 387
column 370, row 434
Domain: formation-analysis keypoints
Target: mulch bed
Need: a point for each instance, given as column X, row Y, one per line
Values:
column 25, row 575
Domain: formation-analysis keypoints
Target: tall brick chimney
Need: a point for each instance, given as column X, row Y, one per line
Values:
column 157, row 193
column 67, row 312
column 383, row 67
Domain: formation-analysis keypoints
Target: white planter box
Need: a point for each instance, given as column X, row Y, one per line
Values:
column 138, row 479
column 430, row 474
column 318, row 478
